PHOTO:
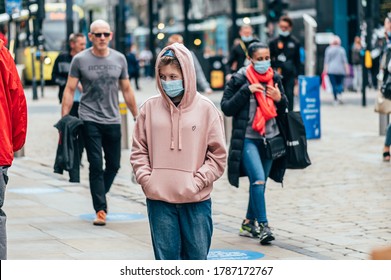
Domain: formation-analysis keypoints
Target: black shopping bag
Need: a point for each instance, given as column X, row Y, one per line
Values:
column 296, row 146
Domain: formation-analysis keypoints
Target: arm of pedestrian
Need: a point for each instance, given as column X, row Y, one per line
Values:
column 69, row 92
column 80, row 87
column 129, row 96
column 208, row 91
column 347, row 69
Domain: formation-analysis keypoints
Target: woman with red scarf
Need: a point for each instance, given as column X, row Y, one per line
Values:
column 255, row 98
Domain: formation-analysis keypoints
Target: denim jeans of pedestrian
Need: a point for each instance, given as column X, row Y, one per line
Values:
column 388, row 136
column 97, row 137
column 3, row 217
column 257, row 168
column 336, row 83
column 180, row 231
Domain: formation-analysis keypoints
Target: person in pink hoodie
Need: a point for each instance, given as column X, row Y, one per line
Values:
column 178, row 151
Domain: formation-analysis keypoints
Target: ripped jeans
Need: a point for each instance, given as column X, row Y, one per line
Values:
column 257, row 168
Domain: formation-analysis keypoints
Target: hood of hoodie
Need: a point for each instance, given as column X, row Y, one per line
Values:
column 188, row 72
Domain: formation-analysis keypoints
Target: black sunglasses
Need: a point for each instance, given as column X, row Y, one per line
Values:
column 99, row 35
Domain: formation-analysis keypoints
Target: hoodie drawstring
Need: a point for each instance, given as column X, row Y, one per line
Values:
column 179, row 130
column 172, row 130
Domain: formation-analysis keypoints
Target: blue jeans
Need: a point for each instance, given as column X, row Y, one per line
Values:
column 257, row 168
column 97, row 137
column 3, row 217
column 337, row 84
column 180, row 231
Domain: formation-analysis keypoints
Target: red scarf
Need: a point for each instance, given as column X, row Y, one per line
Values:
column 265, row 109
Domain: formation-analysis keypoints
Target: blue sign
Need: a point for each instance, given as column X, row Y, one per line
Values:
column 310, row 105
column 234, row 255
column 13, row 6
column 115, row 217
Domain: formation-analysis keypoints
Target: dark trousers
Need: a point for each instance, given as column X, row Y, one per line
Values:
column 97, row 137
column 135, row 82
column 288, row 84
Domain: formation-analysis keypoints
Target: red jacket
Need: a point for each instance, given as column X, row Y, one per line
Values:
column 13, row 109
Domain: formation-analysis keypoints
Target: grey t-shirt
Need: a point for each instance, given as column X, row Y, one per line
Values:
column 99, row 77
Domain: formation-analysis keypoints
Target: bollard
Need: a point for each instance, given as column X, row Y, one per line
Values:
column 19, row 153
column 123, row 110
column 384, row 119
column 228, row 128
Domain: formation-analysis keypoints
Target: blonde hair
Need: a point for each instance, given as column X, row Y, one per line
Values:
column 336, row 41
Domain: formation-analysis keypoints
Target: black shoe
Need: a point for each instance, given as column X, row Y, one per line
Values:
column 266, row 235
column 249, row 229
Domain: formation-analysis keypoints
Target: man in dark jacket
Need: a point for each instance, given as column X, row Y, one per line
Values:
column 133, row 67
column 77, row 43
column 13, row 120
column 238, row 55
column 285, row 57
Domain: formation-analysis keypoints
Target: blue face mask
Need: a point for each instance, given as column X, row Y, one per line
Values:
column 261, row 66
column 247, row 38
column 283, row 33
column 173, row 88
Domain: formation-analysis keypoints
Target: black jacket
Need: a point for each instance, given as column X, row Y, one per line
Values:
column 61, row 70
column 236, row 103
column 68, row 155
column 238, row 56
column 285, row 56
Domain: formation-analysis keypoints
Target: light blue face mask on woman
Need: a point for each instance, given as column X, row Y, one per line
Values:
column 173, row 88
column 261, row 66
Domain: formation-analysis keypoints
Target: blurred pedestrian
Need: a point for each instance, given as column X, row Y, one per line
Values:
column 387, row 50
column 285, row 57
column 238, row 54
column 60, row 72
column 254, row 97
column 202, row 84
column 178, row 151
column 13, row 119
column 376, row 55
column 146, row 57
column 387, row 73
column 4, row 33
column 357, row 52
column 133, row 67
column 336, row 66
column 101, row 71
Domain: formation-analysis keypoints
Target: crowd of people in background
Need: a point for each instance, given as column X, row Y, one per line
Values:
column 259, row 89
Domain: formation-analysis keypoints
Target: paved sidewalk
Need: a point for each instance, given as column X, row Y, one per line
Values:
column 338, row 208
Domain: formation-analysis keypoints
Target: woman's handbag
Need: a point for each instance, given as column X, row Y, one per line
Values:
column 382, row 105
column 296, row 142
column 275, row 147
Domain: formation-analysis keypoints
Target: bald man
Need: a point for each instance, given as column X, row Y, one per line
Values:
column 102, row 71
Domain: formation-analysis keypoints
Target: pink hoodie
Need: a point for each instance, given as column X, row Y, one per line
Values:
column 178, row 152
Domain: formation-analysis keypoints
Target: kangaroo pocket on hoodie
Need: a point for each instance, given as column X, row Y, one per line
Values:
column 171, row 185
